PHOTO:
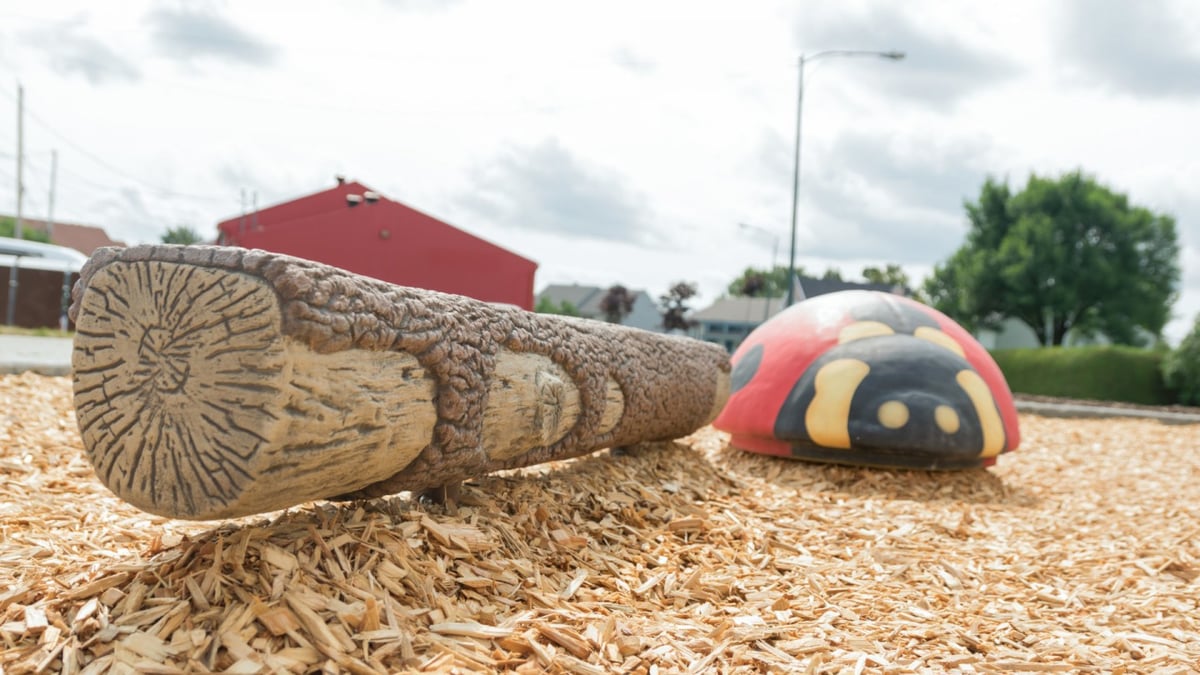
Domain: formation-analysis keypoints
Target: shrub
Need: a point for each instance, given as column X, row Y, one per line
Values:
column 1104, row 373
column 1181, row 367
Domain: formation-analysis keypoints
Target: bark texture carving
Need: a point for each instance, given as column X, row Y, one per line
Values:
column 214, row 382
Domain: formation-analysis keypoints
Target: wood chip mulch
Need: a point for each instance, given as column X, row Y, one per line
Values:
column 1078, row 553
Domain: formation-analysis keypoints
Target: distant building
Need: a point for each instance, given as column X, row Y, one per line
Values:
column 44, row 274
column 728, row 320
column 83, row 238
column 355, row 228
column 587, row 299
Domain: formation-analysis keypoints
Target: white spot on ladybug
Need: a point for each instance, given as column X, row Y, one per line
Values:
column 946, row 419
column 863, row 329
column 940, row 339
column 893, row 414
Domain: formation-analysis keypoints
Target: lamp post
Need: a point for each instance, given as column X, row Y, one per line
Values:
column 774, row 257
column 892, row 55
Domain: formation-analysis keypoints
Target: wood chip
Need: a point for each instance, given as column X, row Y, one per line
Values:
column 1078, row 553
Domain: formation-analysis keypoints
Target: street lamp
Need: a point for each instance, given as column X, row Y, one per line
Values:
column 774, row 257
column 892, row 55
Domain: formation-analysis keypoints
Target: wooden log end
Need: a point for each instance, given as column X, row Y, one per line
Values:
column 193, row 403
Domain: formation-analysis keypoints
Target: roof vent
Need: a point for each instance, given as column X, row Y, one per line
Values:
column 341, row 180
column 353, row 200
column 371, row 196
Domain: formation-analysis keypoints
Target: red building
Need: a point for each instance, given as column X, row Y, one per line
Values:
column 355, row 228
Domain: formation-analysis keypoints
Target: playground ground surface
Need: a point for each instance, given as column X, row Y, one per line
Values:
column 1079, row 552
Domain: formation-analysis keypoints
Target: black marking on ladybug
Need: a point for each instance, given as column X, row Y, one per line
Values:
column 745, row 368
column 895, row 368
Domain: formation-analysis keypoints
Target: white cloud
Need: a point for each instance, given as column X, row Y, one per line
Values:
column 675, row 118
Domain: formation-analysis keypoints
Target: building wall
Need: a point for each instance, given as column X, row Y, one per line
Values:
column 1016, row 334
column 645, row 314
column 728, row 334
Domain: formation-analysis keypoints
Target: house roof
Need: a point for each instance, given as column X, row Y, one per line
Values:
column 586, row 299
column 811, row 287
column 331, row 201
column 83, row 238
column 756, row 310
column 739, row 310
column 574, row 293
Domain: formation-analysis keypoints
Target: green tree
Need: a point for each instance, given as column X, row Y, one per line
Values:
column 617, row 303
column 674, row 305
column 547, row 306
column 182, row 234
column 760, row 283
column 8, row 225
column 1181, row 367
column 832, row 273
column 892, row 275
column 1063, row 254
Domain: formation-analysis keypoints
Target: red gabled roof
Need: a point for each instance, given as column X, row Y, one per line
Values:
column 332, row 200
column 83, row 238
column 301, row 207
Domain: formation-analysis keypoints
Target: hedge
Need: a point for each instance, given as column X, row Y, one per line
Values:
column 1104, row 373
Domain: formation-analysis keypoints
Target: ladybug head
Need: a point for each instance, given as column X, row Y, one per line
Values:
column 893, row 394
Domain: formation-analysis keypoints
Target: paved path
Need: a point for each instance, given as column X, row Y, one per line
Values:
column 1047, row 409
column 45, row 355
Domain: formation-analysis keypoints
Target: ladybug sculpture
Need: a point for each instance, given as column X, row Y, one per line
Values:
column 869, row 378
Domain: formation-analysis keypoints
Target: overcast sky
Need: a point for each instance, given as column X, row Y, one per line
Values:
column 612, row 142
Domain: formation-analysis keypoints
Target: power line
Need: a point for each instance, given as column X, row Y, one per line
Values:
column 114, row 169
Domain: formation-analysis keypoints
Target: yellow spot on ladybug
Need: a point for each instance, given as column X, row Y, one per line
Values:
column 893, row 414
column 828, row 416
column 940, row 339
column 946, row 419
column 985, row 407
column 863, row 329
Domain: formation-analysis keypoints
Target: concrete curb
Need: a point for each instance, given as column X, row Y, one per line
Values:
column 44, row 355
column 48, row 369
column 1102, row 411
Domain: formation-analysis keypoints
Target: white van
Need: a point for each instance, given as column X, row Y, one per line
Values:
column 36, row 255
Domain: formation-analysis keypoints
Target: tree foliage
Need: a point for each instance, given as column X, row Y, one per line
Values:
column 891, row 275
column 674, row 306
column 617, row 303
column 1181, row 367
column 762, row 283
column 183, row 234
column 547, row 306
column 1063, row 254
column 8, row 226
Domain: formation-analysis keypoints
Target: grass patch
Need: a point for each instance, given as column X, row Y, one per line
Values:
column 36, row 332
column 1106, row 373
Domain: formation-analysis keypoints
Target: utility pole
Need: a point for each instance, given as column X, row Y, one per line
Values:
column 16, row 263
column 50, row 209
column 20, row 157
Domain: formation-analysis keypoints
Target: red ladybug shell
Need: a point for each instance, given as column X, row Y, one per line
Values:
column 869, row 378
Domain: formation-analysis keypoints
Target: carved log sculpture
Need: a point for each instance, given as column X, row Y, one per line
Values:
column 215, row 382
